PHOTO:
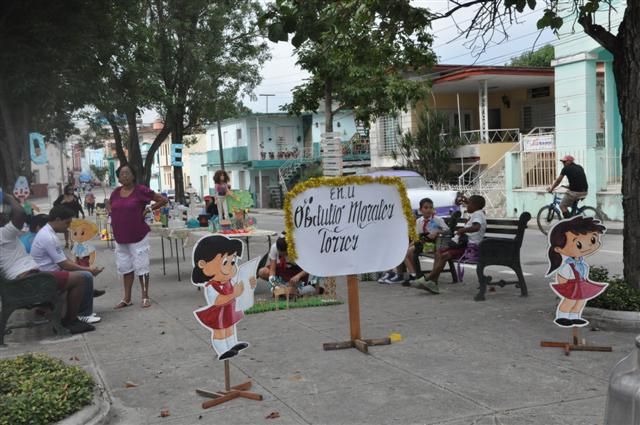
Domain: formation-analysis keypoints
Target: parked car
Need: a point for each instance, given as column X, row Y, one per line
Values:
column 171, row 195
column 418, row 188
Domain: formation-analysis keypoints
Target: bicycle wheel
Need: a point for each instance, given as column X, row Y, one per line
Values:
column 591, row 212
column 547, row 218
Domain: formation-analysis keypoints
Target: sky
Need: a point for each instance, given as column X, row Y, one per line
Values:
column 281, row 74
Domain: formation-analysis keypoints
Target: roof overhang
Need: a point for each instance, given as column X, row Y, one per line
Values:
column 498, row 78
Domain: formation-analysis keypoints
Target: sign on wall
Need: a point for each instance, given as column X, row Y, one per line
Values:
column 338, row 226
column 542, row 142
column 37, row 148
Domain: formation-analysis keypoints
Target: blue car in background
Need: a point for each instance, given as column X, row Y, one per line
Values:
column 418, row 188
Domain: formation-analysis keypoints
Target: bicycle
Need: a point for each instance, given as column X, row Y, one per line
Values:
column 550, row 214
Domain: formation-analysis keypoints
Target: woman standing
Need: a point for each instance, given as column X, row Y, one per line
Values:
column 71, row 201
column 128, row 208
column 222, row 188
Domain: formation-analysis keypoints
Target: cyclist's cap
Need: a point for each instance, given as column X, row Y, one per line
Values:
column 567, row 158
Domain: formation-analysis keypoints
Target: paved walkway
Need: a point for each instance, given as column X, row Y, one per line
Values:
column 460, row 361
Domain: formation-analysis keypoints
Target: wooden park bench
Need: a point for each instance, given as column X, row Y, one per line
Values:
column 500, row 247
column 35, row 290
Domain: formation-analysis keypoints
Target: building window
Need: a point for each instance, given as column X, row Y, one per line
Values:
column 238, row 135
column 389, row 126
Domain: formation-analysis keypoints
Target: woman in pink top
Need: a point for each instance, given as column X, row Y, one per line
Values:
column 128, row 208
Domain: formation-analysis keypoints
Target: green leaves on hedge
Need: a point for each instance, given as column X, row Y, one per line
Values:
column 36, row 389
column 618, row 296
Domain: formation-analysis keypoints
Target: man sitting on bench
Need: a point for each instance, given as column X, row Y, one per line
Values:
column 16, row 263
column 465, row 240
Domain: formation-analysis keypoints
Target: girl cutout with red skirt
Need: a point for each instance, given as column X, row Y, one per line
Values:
column 215, row 261
column 569, row 242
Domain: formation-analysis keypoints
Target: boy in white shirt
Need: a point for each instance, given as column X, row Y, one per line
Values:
column 47, row 252
column 15, row 263
column 429, row 226
column 473, row 231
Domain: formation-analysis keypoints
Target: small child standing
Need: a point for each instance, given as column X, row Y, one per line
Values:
column 465, row 240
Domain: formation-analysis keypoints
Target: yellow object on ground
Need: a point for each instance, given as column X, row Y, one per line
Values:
column 395, row 337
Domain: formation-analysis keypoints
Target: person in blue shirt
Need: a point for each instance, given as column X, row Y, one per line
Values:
column 36, row 223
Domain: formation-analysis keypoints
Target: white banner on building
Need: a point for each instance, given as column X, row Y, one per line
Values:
column 542, row 142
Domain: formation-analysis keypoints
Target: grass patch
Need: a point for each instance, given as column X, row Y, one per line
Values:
column 36, row 389
column 619, row 295
column 264, row 306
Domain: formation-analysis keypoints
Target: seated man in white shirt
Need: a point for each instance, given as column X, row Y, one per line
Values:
column 48, row 254
column 16, row 263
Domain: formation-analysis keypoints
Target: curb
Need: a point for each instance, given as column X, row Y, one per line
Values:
column 97, row 412
column 625, row 321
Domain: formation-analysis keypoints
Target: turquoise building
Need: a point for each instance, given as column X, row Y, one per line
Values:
column 587, row 125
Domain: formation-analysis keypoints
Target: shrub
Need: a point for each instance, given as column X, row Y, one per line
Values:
column 618, row 296
column 36, row 389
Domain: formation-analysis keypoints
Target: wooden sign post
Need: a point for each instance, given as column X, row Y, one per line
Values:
column 356, row 340
column 344, row 226
column 215, row 261
column 229, row 392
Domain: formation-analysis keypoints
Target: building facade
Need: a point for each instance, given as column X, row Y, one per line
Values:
column 588, row 126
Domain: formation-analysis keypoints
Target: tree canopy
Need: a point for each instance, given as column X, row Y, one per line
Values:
column 359, row 53
column 539, row 58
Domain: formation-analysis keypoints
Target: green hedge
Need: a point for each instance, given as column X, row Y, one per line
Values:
column 618, row 296
column 36, row 389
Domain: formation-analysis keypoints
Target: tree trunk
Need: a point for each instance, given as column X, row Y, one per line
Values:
column 176, row 139
column 328, row 107
column 135, row 156
column 148, row 162
column 8, row 147
column 117, row 136
column 626, row 67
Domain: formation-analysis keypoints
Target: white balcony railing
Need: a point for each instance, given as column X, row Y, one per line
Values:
column 497, row 135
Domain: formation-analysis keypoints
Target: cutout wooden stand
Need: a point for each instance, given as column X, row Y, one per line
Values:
column 229, row 392
column 575, row 344
column 356, row 341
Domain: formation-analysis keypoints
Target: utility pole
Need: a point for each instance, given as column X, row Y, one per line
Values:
column 266, row 98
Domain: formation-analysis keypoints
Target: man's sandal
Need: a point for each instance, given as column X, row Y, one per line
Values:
column 123, row 304
column 146, row 302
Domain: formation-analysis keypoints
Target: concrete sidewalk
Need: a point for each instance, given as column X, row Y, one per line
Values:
column 460, row 361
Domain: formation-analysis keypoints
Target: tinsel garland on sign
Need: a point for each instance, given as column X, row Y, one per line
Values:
column 338, row 182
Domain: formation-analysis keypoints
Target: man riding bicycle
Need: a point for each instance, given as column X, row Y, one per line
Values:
column 578, row 187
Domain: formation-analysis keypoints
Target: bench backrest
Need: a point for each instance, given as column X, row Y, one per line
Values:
column 503, row 226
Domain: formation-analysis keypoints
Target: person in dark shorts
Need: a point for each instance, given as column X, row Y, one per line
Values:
column 578, row 187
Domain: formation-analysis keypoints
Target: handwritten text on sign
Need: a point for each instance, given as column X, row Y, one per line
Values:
column 350, row 229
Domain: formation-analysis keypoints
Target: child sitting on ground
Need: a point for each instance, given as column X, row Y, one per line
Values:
column 280, row 270
column 465, row 242
column 429, row 226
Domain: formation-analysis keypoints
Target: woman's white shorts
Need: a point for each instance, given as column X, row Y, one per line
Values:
column 133, row 257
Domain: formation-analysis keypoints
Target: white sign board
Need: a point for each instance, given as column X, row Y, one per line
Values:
column 348, row 229
column 542, row 142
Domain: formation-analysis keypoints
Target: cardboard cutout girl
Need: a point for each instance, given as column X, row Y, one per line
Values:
column 215, row 268
column 21, row 191
column 569, row 242
column 81, row 232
